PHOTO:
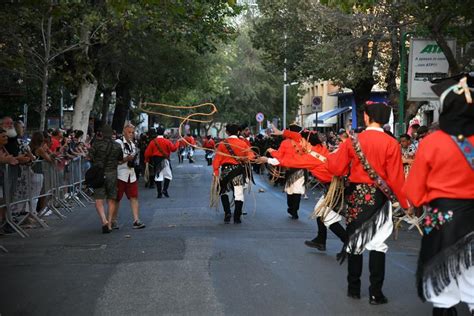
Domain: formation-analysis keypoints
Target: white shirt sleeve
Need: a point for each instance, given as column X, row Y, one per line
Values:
column 273, row 161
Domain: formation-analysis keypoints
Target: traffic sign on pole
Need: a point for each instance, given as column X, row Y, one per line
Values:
column 259, row 117
column 317, row 104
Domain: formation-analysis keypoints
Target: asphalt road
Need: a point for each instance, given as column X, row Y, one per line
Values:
column 187, row 262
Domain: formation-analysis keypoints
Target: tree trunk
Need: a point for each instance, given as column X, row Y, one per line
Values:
column 44, row 98
column 44, row 88
column 199, row 129
column 361, row 95
column 443, row 44
column 207, row 127
column 221, row 126
column 83, row 105
column 122, row 106
column 105, row 106
column 392, row 71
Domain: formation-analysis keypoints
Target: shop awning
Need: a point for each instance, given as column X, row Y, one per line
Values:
column 327, row 115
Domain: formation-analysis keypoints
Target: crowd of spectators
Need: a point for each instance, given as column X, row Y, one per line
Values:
column 25, row 154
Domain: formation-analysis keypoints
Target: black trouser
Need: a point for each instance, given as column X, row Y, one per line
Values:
column 256, row 168
column 376, row 269
column 336, row 228
column 293, row 202
column 225, row 203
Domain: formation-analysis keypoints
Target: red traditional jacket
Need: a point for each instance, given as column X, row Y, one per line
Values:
column 240, row 148
column 209, row 144
column 246, row 141
column 167, row 147
column 318, row 168
column 190, row 140
column 383, row 154
column 440, row 170
column 288, row 147
column 181, row 143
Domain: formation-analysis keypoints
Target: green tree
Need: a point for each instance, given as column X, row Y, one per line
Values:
column 441, row 20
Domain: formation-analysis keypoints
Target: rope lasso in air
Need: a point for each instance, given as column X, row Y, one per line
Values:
column 244, row 160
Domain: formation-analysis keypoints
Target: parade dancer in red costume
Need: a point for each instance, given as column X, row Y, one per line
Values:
column 376, row 177
column 442, row 177
column 209, row 144
column 314, row 159
column 158, row 152
column 190, row 143
column 181, row 149
column 294, row 178
column 231, row 156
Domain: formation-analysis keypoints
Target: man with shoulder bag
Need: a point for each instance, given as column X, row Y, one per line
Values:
column 105, row 155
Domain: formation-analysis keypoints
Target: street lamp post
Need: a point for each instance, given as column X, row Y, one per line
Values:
column 284, row 96
column 401, row 103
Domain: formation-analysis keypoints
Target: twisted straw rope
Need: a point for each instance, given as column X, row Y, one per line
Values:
column 333, row 198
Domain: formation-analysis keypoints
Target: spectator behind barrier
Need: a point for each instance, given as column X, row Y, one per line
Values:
column 5, row 158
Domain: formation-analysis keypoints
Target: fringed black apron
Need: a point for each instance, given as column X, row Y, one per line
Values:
column 292, row 175
column 367, row 210
column 230, row 176
column 447, row 247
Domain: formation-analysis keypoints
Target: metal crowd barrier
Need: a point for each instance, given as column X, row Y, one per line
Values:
column 60, row 186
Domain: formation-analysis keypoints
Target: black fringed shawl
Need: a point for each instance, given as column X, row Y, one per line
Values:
column 448, row 251
column 292, row 175
column 364, row 218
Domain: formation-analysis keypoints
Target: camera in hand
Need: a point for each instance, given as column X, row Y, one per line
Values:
column 131, row 163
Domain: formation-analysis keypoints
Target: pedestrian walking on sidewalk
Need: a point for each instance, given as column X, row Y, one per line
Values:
column 127, row 182
column 158, row 153
column 107, row 154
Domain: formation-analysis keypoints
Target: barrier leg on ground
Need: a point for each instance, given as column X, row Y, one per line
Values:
column 34, row 184
column 10, row 183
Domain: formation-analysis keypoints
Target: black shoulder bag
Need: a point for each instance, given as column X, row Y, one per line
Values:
column 95, row 175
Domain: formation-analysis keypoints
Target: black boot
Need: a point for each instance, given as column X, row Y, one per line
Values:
column 296, row 205
column 165, row 187
column 151, row 181
column 226, row 206
column 339, row 231
column 238, row 211
column 158, row 189
column 445, row 311
column 377, row 276
column 354, row 271
column 320, row 241
column 291, row 201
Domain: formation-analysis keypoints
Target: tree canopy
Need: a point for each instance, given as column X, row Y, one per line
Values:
column 104, row 56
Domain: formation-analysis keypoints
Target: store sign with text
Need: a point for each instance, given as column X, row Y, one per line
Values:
column 427, row 62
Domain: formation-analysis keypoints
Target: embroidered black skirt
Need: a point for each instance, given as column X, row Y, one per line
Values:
column 367, row 210
column 230, row 176
column 447, row 246
column 292, row 175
